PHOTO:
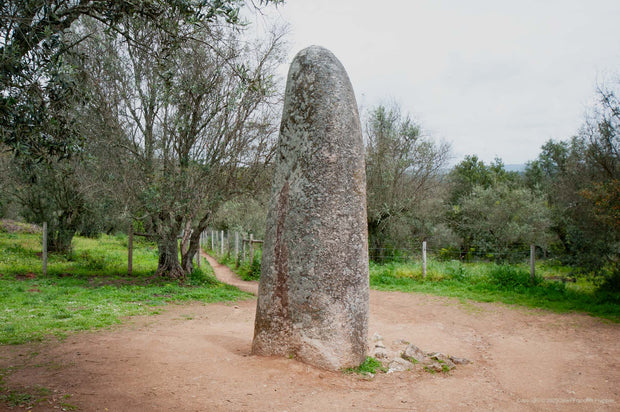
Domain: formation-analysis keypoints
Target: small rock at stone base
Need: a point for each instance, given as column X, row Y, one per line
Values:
column 399, row 365
column 442, row 359
column 459, row 361
column 380, row 353
column 376, row 337
column 413, row 352
column 433, row 366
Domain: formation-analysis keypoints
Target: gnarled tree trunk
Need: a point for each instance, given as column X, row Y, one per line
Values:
column 187, row 257
column 168, row 265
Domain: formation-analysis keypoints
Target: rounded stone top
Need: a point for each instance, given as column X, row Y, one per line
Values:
column 319, row 98
column 317, row 58
column 314, row 51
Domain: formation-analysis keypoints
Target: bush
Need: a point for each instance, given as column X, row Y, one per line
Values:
column 611, row 280
column 456, row 271
column 448, row 254
column 200, row 277
column 254, row 270
column 511, row 277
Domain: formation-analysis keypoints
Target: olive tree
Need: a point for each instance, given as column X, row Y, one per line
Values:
column 501, row 219
column 580, row 178
column 402, row 171
column 186, row 125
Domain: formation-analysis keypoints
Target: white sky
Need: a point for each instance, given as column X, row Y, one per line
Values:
column 493, row 78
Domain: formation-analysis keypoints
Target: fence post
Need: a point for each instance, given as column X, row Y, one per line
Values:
column 236, row 249
column 44, row 251
column 532, row 261
column 199, row 250
column 212, row 242
column 424, row 259
column 251, row 249
column 222, row 243
column 243, row 241
column 130, row 250
column 228, row 242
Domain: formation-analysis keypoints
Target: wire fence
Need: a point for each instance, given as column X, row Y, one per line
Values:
column 242, row 247
column 245, row 248
column 512, row 255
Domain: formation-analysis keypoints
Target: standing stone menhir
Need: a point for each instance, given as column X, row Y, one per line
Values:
column 313, row 293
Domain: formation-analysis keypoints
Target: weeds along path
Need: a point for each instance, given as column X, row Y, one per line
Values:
column 196, row 357
column 224, row 274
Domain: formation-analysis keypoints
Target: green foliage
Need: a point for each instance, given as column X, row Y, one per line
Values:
column 369, row 366
column 511, row 277
column 402, row 171
column 88, row 290
column 254, row 271
column 247, row 270
column 488, row 282
column 472, row 172
column 36, row 85
column 492, row 212
column 580, row 179
column 246, row 214
column 499, row 219
column 203, row 277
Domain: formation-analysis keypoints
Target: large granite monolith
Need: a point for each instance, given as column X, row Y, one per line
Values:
column 313, row 293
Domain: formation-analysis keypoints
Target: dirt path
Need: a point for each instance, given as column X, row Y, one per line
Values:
column 224, row 274
column 196, row 358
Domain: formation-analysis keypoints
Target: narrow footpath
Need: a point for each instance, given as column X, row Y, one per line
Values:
column 224, row 274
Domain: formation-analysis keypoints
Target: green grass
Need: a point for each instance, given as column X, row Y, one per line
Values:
column 488, row 282
column 369, row 366
column 247, row 270
column 105, row 256
column 89, row 289
column 555, row 287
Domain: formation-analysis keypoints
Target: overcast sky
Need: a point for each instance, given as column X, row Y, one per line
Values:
column 493, row 78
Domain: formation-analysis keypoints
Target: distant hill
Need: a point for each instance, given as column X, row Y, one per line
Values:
column 515, row 168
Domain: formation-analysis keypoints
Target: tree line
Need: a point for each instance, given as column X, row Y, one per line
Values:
column 566, row 201
column 163, row 116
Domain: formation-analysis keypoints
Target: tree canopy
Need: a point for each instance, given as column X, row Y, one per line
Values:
column 33, row 44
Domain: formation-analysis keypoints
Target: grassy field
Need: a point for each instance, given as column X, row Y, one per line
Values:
column 553, row 288
column 89, row 289
column 489, row 282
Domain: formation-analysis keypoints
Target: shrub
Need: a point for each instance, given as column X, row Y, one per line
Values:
column 511, row 277
column 200, row 277
column 456, row 271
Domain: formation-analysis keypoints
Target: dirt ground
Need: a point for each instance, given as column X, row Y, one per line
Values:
column 195, row 357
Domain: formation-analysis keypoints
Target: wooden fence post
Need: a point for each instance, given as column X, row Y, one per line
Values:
column 424, row 259
column 237, row 249
column 212, row 242
column 44, row 251
column 251, row 249
column 532, row 261
column 199, row 251
column 222, row 243
column 130, row 250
